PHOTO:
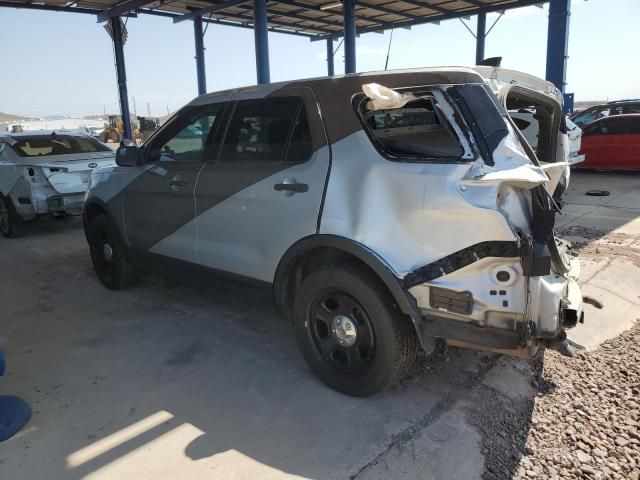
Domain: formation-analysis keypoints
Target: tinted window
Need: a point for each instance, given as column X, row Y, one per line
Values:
column 187, row 137
column 520, row 123
column 635, row 126
column 614, row 126
column 591, row 115
column 268, row 130
column 415, row 130
column 37, row 145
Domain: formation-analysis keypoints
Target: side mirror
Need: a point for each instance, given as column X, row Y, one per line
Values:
column 128, row 154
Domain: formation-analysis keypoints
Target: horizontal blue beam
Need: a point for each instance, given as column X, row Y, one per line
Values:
column 438, row 18
column 122, row 8
column 216, row 7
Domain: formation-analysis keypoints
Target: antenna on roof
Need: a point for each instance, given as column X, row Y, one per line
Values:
column 386, row 63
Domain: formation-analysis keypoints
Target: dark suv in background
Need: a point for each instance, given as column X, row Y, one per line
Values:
column 619, row 107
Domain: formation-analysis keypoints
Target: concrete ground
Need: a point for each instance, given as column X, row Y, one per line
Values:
column 171, row 381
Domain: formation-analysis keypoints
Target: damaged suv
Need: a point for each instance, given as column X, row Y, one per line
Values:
column 384, row 211
column 45, row 173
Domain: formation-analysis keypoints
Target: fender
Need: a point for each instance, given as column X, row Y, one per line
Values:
column 95, row 201
column 405, row 301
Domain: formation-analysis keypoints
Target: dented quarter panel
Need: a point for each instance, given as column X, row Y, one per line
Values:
column 410, row 214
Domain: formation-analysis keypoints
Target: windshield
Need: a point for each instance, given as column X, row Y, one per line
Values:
column 590, row 115
column 40, row 145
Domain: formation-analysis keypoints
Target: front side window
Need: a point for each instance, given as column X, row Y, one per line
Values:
column 40, row 145
column 268, row 130
column 415, row 130
column 187, row 138
column 590, row 115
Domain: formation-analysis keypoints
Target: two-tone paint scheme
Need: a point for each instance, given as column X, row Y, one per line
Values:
column 480, row 225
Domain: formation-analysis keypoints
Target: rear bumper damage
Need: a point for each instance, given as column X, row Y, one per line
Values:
column 43, row 199
column 493, row 297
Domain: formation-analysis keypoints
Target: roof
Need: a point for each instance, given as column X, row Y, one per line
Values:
column 444, row 74
column 42, row 133
column 624, row 101
column 316, row 19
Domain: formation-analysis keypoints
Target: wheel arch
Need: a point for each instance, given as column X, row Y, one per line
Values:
column 94, row 207
column 309, row 253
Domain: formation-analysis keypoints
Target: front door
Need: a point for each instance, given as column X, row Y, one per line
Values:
column 159, row 203
column 264, row 191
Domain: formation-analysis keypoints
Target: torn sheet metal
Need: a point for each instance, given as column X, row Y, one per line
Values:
column 512, row 165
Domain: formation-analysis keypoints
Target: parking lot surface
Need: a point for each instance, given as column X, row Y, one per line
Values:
column 170, row 380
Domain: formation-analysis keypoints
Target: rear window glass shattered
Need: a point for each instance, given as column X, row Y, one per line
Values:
column 412, row 127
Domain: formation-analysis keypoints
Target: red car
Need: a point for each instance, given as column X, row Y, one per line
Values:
column 612, row 143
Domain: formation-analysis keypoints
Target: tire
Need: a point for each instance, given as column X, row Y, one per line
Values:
column 109, row 254
column 382, row 349
column 11, row 223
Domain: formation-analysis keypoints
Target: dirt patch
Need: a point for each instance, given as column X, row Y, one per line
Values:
column 584, row 421
column 593, row 242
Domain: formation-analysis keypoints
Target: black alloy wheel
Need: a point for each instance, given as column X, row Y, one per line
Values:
column 342, row 332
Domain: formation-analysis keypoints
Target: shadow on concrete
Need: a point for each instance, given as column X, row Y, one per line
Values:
column 173, row 380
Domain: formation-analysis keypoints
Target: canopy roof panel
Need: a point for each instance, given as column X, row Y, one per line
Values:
column 311, row 18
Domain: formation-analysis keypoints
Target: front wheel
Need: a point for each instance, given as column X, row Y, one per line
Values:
column 109, row 255
column 350, row 333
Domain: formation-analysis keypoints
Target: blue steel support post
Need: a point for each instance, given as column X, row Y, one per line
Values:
column 330, row 70
column 558, row 42
column 481, row 34
column 262, row 40
column 349, row 16
column 118, row 50
column 199, row 38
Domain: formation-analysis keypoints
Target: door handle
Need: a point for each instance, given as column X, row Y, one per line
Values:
column 290, row 186
column 177, row 183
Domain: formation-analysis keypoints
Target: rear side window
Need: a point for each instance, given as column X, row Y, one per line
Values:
column 416, row 130
column 39, row 145
column 610, row 126
column 635, row 126
column 521, row 124
column 268, row 130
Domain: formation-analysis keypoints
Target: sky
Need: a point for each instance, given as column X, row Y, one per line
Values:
column 62, row 63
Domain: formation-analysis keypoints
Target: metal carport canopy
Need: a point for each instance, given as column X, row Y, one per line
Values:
column 313, row 19
column 316, row 19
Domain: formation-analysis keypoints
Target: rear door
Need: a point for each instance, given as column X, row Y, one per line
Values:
column 631, row 145
column 264, row 190
column 159, row 204
column 615, row 132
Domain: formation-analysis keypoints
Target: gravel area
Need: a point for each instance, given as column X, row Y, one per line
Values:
column 583, row 423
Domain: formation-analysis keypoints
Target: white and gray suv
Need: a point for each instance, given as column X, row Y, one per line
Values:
column 383, row 210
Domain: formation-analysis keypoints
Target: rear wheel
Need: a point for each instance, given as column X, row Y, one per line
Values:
column 109, row 254
column 11, row 224
column 350, row 332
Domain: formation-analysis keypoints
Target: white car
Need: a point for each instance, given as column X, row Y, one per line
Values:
column 527, row 122
column 46, row 172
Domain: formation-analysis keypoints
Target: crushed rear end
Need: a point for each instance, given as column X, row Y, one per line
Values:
column 506, row 283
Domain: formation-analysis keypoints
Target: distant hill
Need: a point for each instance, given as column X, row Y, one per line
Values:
column 8, row 117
